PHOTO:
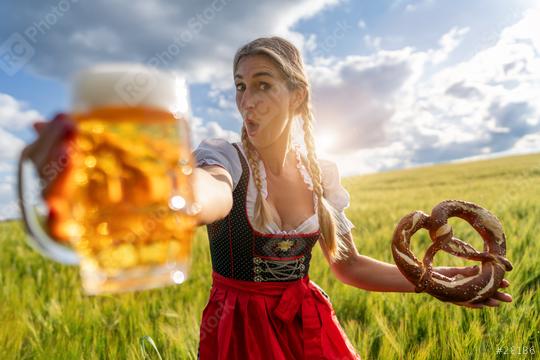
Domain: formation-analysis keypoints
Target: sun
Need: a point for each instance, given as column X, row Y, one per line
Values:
column 325, row 141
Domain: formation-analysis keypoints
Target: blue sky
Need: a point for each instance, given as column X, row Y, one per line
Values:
column 395, row 83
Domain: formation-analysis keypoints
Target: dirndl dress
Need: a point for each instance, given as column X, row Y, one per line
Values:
column 262, row 304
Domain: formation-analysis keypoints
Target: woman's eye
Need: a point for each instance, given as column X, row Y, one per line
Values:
column 262, row 86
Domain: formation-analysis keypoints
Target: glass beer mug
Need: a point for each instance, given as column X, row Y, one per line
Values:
column 126, row 213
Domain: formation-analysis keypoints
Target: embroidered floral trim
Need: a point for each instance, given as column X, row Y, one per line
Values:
column 284, row 247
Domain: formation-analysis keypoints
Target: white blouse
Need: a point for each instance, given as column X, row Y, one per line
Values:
column 222, row 153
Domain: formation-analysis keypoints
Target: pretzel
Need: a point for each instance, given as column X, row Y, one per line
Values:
column 458, row 288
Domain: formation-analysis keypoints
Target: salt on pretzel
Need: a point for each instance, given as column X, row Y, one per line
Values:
column 458, row 288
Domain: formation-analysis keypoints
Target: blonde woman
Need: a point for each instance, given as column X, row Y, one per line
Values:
column 267, row 201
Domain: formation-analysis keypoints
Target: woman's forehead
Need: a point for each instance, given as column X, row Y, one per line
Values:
column 255, row 66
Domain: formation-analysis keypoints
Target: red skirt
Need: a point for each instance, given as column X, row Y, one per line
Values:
column 270, row 320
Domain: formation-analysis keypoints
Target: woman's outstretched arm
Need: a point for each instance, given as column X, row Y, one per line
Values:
column 212, row 187
column 367, row 273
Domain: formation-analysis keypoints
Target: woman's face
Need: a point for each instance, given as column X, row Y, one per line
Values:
column 263, row 99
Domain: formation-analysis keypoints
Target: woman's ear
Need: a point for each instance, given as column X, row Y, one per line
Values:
column 298, row 98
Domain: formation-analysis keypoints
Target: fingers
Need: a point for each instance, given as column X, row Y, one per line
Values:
column 475, row 305
column 43, row 149
column 58, row 172
column 493, row 301
column 502, row 297
column 50, row 152
column 505, row 283
column 39, row 126
column 469, row 305
column 59, row 130
column 60, row 119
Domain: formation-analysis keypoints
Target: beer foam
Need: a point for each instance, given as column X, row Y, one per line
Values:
column 123, row 84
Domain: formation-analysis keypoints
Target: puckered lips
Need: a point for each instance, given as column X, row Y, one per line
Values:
column 251, row 127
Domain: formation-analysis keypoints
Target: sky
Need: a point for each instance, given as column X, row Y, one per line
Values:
column 395, row 83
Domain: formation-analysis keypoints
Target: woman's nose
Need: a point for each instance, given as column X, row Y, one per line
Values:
column 249, row 101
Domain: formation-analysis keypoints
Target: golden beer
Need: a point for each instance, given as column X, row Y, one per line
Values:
column 126, row 205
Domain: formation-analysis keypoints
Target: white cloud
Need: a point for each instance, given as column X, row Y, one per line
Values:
column 370, row 160
column 311, row 43
column 212, row 129
column 529, row 141
column 373, row 42
column 410, row 6
column 15, row 117
column 10, row 145
column 354, row 96
column 448, row 43
column 486, row 104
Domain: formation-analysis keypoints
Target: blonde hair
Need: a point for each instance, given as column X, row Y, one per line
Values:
column 289, row 61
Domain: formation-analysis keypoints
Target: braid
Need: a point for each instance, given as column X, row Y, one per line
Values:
column 262, row 209
column 332, row 243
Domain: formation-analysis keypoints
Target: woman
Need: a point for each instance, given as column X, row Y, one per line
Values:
column 266, row 203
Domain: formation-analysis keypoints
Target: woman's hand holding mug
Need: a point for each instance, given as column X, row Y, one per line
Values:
column 116, row 175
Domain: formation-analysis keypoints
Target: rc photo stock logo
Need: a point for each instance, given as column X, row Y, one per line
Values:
column 133, row 87
column 15, row 53
column 17, row 50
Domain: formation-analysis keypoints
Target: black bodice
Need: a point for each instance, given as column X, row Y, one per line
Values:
column 239, row 251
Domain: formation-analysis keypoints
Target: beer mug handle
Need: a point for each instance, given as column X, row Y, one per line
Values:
column 37, row 236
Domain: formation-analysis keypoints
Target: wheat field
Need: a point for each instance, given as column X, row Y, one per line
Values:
column 45, row 315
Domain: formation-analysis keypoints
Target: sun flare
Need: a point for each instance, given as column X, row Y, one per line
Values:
column 325, row 141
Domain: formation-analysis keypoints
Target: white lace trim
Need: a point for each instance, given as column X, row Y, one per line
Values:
column 311, row 224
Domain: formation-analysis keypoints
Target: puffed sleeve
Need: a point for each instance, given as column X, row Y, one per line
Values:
column 219, row 152
column 336, row 195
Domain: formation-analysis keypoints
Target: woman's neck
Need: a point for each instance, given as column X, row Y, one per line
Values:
column 279, row 155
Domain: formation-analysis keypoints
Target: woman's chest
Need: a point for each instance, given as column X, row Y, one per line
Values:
column 290, row 200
